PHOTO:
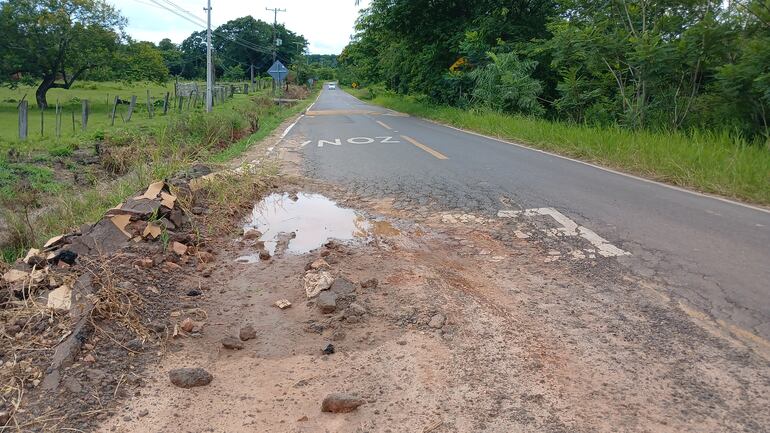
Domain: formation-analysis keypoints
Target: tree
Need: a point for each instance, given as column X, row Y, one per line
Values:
column 172, row 56
column 132, row 61
column 52, row 40
column 193, row 51
column 247, row 41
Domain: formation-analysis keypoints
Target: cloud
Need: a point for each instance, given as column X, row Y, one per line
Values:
column 327, row 25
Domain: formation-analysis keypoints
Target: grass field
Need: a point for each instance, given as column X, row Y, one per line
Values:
column 98, row 95
column 129, row 157
column 708, row 162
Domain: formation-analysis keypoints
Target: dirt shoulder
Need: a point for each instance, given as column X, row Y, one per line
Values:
column 469, row 327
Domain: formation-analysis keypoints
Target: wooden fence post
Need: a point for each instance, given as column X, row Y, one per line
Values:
column 73, row 120
column 23, row 108
column 114, row 109
column 195, row 101
column 58, row 119
column 149, row 105
column 180, row 105
column 131, row 107
column 165, row 103
column 85, row 113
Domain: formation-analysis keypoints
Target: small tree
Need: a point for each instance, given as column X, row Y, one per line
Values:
column 55, row 41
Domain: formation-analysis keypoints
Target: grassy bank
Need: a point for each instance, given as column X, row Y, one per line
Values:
column 130, row 157
column 708, row 162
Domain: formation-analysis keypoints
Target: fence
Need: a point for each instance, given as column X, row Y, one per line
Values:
column 187, row 97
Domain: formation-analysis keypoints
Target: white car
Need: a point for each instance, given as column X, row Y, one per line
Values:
column 332, row 86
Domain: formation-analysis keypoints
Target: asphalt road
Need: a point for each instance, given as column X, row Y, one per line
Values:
column 713, row 253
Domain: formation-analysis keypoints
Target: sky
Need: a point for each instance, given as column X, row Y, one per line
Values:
column 326, row 24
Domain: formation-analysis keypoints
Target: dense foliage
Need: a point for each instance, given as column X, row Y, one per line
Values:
column 671, row 64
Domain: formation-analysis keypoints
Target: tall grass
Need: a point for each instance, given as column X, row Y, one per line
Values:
column 706, row 161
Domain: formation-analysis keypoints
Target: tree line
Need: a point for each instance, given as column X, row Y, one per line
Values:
column 670, row 64
column 54, row 43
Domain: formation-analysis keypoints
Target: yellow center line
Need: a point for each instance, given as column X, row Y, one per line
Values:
column 383, row 125
column 435, row 153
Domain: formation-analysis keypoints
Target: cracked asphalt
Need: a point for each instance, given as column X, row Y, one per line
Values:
column 710, row 253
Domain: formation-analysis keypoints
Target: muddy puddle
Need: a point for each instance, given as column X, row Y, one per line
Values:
column 298, row 224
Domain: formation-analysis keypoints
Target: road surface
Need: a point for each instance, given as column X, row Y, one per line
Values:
column 713, row 253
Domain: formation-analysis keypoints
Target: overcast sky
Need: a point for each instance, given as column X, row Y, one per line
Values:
column 326, row 24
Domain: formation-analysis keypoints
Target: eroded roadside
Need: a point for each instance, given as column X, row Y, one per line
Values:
column 441, row 321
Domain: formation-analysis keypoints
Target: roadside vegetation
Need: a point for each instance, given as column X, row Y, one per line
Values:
column 707, row 161
column 122, row 161
column 682, row 97
column 60, row 53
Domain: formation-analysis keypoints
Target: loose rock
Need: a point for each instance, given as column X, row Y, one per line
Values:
column 343, row 286
column 437, row 321
column 315, row 282
column 190, row 377
column 205, row 257
column 370, row 284
column 327, row 302
column 341, row 403
column 356, row 309
column 232, row 343
column 247, row 333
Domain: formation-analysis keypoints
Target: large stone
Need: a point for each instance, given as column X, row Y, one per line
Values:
column 315, row 282
column 232, row 343
column 190, row 377
column 437, row 321
column 327, row 302
column 102, row 238
column 341, row 403
column 343, row 286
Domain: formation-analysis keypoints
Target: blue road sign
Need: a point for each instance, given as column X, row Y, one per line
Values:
column 278, row 71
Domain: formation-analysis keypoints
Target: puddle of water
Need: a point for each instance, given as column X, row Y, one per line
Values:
column 313, row 218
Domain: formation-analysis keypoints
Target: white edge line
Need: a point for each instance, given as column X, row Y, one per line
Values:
column 316, row 100
column 609, row 170
column 288, row 129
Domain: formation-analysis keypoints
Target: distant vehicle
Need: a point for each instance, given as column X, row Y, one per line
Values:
column 332, row 86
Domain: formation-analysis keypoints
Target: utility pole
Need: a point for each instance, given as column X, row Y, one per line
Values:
column 209, row 64
column 252, row 73
column 275, row 30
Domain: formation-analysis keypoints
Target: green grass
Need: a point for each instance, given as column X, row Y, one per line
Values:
column 705, row 161
column 275, row 116
column 101, row 96
column 143, row 152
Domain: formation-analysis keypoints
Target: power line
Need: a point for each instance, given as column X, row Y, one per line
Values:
column 179, row 14
column 188, row 16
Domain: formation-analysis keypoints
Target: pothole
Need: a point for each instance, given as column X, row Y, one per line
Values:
column 298, row 224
